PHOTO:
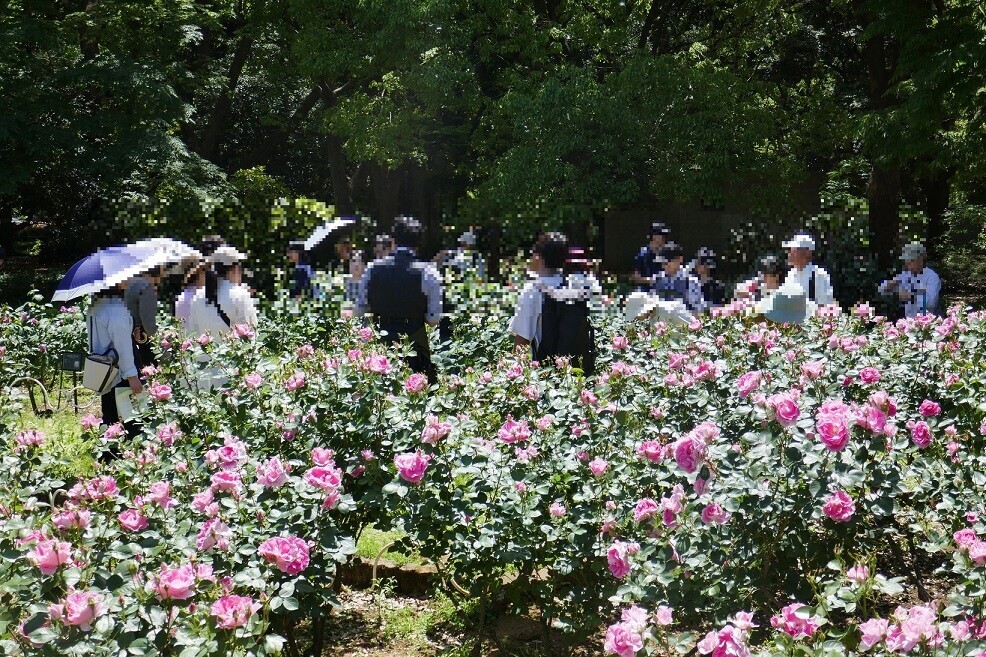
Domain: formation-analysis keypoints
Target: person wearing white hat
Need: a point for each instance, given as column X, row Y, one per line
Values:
column 918, row 287
column 465, row 258
column 225, row 301
column 813, row 279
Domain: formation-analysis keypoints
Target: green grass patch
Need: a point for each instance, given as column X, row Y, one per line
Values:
column 373, row 540
column 73, row 455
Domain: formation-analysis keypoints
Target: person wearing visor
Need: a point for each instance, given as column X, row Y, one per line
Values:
column 918, row 287
column 674, row 283
column 713, row 290
column 813, row 279
column 645, row 263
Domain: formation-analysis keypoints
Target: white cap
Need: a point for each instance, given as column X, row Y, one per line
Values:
column 913, row 251
column 468, row 238
column 226, row 255
column 800, row 241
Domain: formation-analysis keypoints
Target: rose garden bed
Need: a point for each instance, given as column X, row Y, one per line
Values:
column 729, row 488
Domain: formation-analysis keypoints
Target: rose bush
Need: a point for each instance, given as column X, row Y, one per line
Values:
column 718, row 474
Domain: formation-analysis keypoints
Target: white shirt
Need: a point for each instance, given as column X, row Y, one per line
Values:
column 925, row 289
column 236, row 302
column 823, row 282
column 183, row 305
column 526, row 321
column 110, row 325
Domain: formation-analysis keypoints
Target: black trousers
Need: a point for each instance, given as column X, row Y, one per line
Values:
column 111, row 415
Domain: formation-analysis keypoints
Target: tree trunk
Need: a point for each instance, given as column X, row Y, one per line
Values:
column 209, row 146
column 342, row 191
column 883, row 188
column 883, row 193
column 386, row 193
column 936, row 188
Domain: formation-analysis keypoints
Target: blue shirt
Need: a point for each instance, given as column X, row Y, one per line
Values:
column 645, row 262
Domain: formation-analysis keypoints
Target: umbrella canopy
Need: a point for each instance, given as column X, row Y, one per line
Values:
column 180, row 255
column 108, row 267
column 325, row 230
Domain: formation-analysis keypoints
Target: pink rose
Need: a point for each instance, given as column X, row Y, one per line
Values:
column 434, row 431
column 964, row 537
column 213, row 533
column 233, row 611
column 839, row 506
column 48, row 555
column 598, row 467
column 512, row 431
column 78, row 609
column 785, row 408
column 858, row 573
column 714, row 514
column 295, row 382
column 646, row 508
column 253, row 381
column 833, row 431
column 557, row 510
column 89, row 421
column 272, row 474
column 323, row 456
column 814, row 369
column 921, row 434
column 326, row 479
column 160, row 494
column 72, row 519
column 416, row 383
column 663, row 616
column 288, row 553
column 873, row 631
column 623, row 640
column 620, row 342
column 929, row 408
column 132, row 520
column 748, row 382
column 618, row 558
column 227, row 481
column 412, row 466
column 869, row 375
column 377, row 364
column 688, row 453
column 243, row 331
column 168, row 433
column 652, row 450
column 174, row 583
column 789, row 622
column 159, row 392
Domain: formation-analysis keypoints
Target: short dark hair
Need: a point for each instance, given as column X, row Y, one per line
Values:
column 553, row 249
column 210, row 243
column 772, row 265
column 407, row 232
column 670, row 251
column 297, row 246
column 658, row 228
column 706, row 256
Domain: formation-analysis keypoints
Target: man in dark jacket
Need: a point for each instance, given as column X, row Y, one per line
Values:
column 404, row 294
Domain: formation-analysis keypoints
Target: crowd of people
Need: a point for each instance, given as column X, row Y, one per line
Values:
column 401, row 294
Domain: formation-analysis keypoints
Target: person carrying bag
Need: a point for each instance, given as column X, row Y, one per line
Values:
column 110, row 363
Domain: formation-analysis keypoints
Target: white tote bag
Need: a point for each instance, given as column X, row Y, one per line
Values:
column 100, row 371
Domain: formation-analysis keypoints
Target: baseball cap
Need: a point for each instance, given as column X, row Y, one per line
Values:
column 706, row 256
column 226, row 255
column 659, row 228
column 913, row 251
column 800, row 241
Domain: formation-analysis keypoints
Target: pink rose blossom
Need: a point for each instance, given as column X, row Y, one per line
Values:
column 168, row 433
column 160, row 494
column 174, row 583
column 664, row 615
column 29, row 438
column 557, row 510
column 785, row 408
column 545, row 422
column 72, row 519
column 748, row 382
column 435, row 431
column 232, row 611
column 412, row 466
column 688, row 453
column 795, row 626
column 323, row 456
column 326, row 479
column 833, row 431
column 227, row 481
column 113, row 431
column 132, row 520
column 78, row 609
column 618, row 558
column 48, row 555
column 377, row 364
column 89, row 421
column 921, row 434
column 288, row 553
column 858, row 573
column 159, row 392
column 623, row 640
column 205, row 339
column 513, row 431
column 651, row 450
column 873, row 632
column 272, row 473
column 213, row 533
column 869, row 375
column 620, row 342
column 714, row 514
column 243, row 331
column 296, row 381
column 416, row 383
column 253, row 380
column 929, row 408
column 839, row 506
column 645, row 508
column 598, row 467
column 814, row 369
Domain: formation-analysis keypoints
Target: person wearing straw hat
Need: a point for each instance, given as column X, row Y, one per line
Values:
column 674, row 283
column 225, row 301
column 645, row 263
column 814, row 279
column 918, row 287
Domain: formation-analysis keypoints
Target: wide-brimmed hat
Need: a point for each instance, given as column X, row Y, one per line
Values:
column 913, row 251
column 800, row 241
column 226, row 255
column 788, row 304
column 649, row 308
